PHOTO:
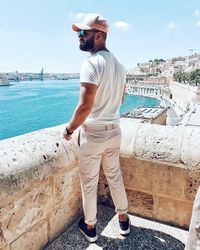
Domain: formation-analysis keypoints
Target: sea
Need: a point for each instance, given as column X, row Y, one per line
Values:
column 28, row 106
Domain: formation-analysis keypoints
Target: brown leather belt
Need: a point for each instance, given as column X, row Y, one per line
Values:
column 98, row 128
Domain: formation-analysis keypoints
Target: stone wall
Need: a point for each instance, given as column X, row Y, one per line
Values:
column 39, row 188
column 40, row 191
column 161, row 170
column 193, row 242
column 184, row 95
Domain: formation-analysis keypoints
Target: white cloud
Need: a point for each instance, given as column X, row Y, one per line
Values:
column 197, row 12
column 121, row 25
column 198, row 24
column 78, row 15
column 171, row 25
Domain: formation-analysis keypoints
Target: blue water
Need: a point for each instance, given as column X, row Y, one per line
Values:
column 30, row 106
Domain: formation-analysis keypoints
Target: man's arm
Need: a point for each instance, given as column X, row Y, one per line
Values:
column 87, row 95
column 123, row 93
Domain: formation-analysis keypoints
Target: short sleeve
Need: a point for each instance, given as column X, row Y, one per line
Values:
column 88, row 72
column 124, row 74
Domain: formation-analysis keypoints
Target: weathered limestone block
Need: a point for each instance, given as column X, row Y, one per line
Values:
column 34, row 239
column 190, row 152
column 170, row 180
column 31, row 157
column 153, row 177
column 193, row 242
column 7, row 247
column 129, row 132
column 161, row 143
column 2, row 239
column 63, row 216
column 27, row 211
column 66, row 186
column 104, row 196
column 173, row 211
column 192, row 183
column 140, row 203
column 139, row 175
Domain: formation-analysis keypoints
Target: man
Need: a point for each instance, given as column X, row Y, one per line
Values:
column 102, row 80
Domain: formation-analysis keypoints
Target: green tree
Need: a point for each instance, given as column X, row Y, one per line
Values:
column 184, row 77
column 193, row 78
column 197, row 81
column 194, row 74
column 178, row 76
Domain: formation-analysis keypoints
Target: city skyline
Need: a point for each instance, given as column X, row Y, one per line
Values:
column 38, row 34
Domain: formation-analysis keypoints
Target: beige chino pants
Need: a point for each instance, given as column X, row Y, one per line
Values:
column 99, row 146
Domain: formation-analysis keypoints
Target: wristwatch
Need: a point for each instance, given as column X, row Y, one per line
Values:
column 67, row 132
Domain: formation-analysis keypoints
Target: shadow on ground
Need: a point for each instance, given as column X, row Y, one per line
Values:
column 139, row 238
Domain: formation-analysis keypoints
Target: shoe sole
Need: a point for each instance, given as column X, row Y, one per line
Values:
column 125, row 232
column 90, row 239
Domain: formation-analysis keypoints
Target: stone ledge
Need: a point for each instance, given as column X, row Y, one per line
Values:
column 172, row 144
column 32, row 157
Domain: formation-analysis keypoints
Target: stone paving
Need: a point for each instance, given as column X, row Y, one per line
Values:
column 145, row 235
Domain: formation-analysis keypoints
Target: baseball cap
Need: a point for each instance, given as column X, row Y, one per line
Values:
column 92, row 21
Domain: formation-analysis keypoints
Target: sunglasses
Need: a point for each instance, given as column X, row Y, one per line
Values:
column 82, row 33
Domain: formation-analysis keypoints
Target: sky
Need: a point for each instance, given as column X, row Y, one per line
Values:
column 36, row 34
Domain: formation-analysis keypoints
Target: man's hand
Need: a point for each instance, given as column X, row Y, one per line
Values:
column 67, row 134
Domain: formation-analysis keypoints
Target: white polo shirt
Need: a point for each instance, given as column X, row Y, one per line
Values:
column 105, row 71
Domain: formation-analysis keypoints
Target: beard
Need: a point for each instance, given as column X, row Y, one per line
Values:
column 87, row 45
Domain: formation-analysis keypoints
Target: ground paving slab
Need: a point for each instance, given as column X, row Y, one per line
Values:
column 145, row 235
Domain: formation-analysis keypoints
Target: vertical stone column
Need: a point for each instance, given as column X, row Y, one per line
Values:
column 193, row 242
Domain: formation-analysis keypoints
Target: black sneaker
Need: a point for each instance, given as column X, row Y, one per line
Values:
column 125, row 227
column 90, row 234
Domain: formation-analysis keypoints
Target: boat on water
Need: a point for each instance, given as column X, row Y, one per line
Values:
column 5, row 82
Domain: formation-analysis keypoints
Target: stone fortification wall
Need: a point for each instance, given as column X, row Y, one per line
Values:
column 161, row 169
column 40, row 190
column 184, row 95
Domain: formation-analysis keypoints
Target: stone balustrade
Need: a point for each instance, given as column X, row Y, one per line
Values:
column 40, row 191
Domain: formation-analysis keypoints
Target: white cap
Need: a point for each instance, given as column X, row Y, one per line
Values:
column 92, row 21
